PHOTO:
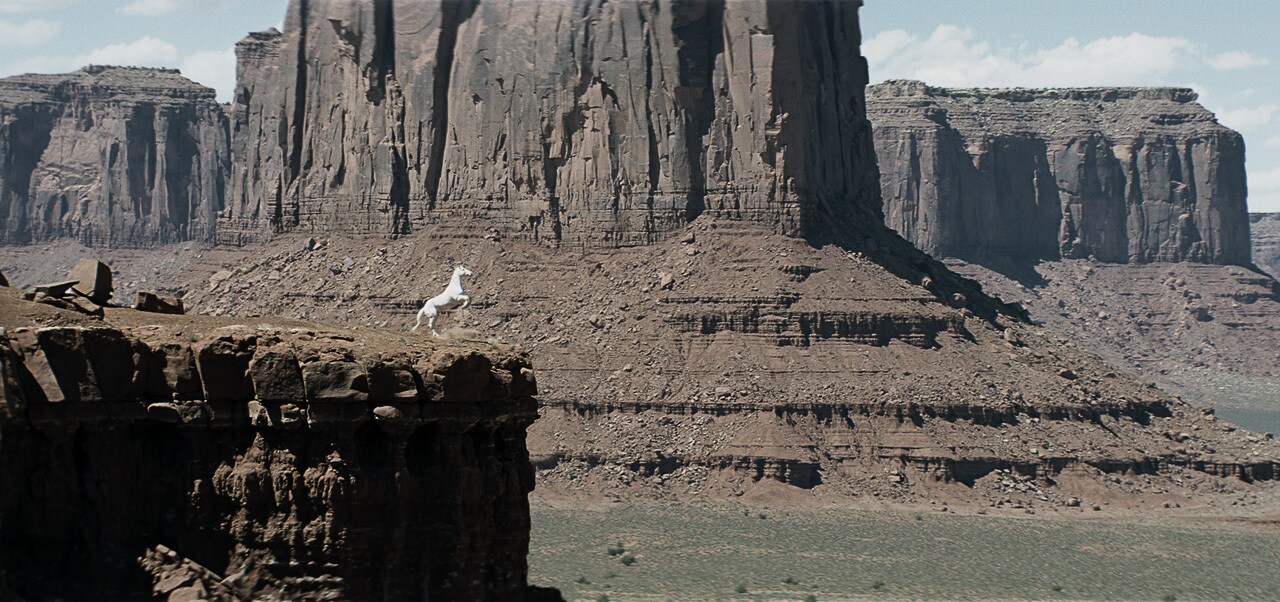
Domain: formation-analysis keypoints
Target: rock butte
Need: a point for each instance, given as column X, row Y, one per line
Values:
column 597, row 123
column 111, row 156
column 1127, row 175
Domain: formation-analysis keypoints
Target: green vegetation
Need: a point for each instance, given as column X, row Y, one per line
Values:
column 628, row 560
column 741, row 589
column 701, row 552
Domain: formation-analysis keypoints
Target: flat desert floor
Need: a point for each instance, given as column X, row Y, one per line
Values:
column 739, row 552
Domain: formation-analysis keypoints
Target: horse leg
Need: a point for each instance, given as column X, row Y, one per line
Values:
column 417, row 322
column 431, row 324
column 466, row 301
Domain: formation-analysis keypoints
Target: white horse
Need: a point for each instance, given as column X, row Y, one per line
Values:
column 452, row 298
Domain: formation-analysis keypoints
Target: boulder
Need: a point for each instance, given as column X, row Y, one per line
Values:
column 276, row 374
column 157, row 304
column 93, row 280
column 336, row 381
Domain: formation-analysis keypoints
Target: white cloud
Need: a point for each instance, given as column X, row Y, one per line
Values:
column 952, row 56
column 1232, row 61
column 213, row 68
column 1264, row 190
column 28, row 33
column 1249, row 118
column 33, row 6
column 143, row 52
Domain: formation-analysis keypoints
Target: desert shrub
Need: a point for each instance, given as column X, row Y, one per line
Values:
column 810, row 598
column 628, row 560
column 602, row 598
column 791, row 581
column 1056, row 588
column 582, row 580
column 741, row 589
column 615, row 550
column 878, row 585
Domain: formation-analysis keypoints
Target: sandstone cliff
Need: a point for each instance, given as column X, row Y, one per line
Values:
column 1121, row 175
column 193, row 458
column 110, row 156
column 1265, row 230
column 599, row 123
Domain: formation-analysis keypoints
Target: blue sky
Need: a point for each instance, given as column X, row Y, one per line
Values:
column 1225, row 50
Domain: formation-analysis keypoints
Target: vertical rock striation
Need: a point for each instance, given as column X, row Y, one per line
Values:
column 110, row 156
column 594, row 122
column 1127, row 175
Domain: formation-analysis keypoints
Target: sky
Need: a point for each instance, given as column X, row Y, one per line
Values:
column 1223, row 50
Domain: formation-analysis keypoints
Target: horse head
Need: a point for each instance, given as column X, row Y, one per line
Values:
column 461, row 271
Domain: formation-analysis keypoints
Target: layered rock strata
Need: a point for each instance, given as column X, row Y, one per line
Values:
column 111, row 156
column 1126, row 175
column 728, row 360
column 1265, row 230
column 185, row 457
column 594, row 123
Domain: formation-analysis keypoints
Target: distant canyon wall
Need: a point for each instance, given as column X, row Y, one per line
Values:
column 1126, row 175
column 110, row 156
column 590, row 122
column 1266, row 241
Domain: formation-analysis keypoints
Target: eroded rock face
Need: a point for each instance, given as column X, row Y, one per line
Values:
column 1265, row 230
column 595, row 122
column 183, row 456
column 110, row 156
column 1120, row 175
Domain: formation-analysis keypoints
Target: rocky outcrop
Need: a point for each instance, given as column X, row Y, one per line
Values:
column 1265, row 230
column 187, row 458
column 596, row 123
column 1127, row 175
column 110, row 156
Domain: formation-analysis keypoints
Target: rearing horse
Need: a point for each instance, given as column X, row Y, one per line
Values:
column 452, row 298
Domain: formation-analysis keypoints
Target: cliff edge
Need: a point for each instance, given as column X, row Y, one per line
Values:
column 184, row 457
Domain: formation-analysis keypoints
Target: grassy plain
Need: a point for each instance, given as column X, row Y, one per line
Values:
column 729, row 552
